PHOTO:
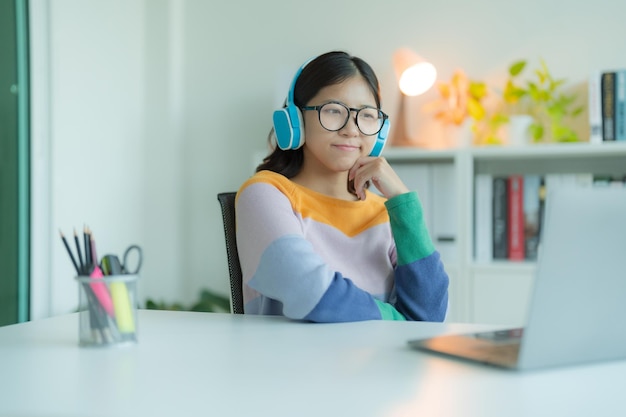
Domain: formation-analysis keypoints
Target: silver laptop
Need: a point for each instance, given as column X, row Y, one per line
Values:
column 578, row 307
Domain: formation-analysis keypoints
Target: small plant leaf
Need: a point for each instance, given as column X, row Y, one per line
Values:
column 517, row 67
column 578, row 111
column 478, row 90
column 475, row 109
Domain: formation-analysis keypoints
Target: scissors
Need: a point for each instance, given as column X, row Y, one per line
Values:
column 111, row 264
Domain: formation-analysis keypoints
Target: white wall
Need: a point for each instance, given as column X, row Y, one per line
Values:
column 166, row 101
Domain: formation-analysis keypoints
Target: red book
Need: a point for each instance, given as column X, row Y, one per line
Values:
column 515, row 218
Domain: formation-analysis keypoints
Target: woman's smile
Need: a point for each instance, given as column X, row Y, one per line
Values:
column 347, row 147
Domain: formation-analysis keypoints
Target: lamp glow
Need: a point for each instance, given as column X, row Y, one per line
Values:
column 417, row 79
column 415, row 75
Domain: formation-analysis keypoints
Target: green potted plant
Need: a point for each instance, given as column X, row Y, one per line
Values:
column 543, row 98
column 209, row 302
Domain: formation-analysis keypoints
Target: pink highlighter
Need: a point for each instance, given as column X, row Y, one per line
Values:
column 101, row 291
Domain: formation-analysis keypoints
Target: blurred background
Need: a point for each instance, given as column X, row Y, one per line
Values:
column 143, row 110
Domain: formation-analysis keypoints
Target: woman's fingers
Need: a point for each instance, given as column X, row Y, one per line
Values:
column 378, row 172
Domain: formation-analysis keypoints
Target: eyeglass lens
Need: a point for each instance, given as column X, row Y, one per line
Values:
column 334, row 116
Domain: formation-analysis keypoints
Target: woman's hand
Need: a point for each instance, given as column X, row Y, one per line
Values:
column 377, row 171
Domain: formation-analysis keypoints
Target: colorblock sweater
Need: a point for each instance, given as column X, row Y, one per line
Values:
column 312, row 257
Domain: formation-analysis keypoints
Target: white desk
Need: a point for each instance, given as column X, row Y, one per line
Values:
column 189, row 364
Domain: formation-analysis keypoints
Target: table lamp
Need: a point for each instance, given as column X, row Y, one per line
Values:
column 415, row 76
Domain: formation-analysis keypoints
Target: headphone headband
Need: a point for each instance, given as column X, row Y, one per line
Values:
column 292, row 87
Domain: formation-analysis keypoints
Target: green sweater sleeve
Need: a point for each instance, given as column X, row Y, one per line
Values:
column 388, row 312
column 406, row 217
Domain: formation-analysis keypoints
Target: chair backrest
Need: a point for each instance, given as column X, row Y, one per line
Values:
column 227, row 204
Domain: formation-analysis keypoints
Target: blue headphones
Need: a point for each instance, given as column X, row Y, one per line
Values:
column 289, row 126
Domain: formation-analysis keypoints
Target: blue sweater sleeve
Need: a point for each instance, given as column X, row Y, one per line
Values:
column 420, row 279
column 343, row 301
column 290, row 272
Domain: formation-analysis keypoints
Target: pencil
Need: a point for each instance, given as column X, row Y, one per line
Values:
column 80, row 255
column 69, row 251
column 87, row 249
column 94, row 257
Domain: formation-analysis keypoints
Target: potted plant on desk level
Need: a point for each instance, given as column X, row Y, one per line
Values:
column 209, row 302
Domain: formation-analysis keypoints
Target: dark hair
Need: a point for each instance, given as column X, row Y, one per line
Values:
column 328, row 69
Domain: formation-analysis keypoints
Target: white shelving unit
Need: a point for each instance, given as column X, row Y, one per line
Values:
column 498, row 291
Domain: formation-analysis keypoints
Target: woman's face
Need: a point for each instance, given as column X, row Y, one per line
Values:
column 337, row 151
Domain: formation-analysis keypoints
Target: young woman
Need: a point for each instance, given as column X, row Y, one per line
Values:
column 314, row 243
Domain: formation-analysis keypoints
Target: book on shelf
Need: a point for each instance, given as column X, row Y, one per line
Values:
column 483, row 214
column 607, row 106
column 499, row 226
column 595, row 108
column 515, row 217
column 532, row 214
column 509, row 211
column 620, row 106
column 542, row 205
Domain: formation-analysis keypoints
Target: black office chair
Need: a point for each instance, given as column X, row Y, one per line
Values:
column 227, row 204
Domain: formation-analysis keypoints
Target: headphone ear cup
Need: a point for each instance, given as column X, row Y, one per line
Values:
column 298, row 127
column 288, row 128
column 381, row 139
column 282, row 128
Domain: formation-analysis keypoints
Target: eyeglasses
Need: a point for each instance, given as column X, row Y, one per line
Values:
column 334, row 116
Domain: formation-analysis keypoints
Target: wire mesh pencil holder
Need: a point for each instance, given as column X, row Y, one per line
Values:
column 107, row 310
